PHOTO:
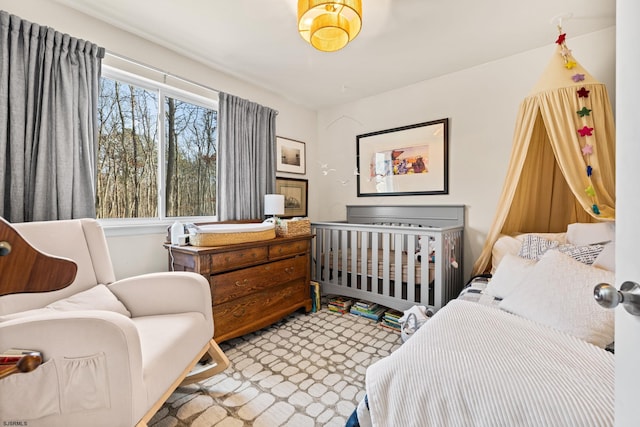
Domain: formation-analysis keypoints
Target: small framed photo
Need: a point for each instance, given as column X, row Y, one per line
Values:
column 291, row 156
column 295, row 196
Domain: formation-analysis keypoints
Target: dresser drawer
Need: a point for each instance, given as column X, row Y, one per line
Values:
column 285, row 249
column 236, row 284
column 250, row 312
column 237, row 259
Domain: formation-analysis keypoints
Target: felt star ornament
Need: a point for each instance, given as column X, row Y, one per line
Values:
column 577, row 77
column 583, row 93
column 570, row 64
column 589, row 170
column 585, row 131
column 565, row 52
column 561, row 38
column 591, row 192
column 587, row 150
column 583, row 112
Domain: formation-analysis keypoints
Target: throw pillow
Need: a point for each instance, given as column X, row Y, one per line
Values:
column 97, row 298
column 590, row 233
column 586, row 254
column 607, row 258
column 558, row 293
column 534, row 246
column 511, row 271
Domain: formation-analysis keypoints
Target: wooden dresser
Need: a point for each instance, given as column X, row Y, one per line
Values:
column 252, row 284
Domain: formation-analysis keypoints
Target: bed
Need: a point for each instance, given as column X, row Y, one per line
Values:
column 396, row 256
column 529, row 346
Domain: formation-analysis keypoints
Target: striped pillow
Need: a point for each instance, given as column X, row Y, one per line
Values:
column 534, row 246
column 586, row 254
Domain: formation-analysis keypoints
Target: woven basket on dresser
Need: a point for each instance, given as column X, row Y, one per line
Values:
column 289, row 227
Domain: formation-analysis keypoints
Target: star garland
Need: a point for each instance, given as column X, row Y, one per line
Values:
column 584, row 115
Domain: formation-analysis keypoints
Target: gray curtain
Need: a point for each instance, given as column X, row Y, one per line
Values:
column 247, row 163
column 49, row 85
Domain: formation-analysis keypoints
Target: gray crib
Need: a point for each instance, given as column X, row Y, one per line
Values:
column 396, row 256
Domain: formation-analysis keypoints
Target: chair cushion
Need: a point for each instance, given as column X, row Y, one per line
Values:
column 168, row 343
column 98, row 297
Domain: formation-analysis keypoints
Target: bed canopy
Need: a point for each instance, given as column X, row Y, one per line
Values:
column 562, row 166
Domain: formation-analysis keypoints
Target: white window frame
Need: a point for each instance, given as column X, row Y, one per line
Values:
column 137, row 226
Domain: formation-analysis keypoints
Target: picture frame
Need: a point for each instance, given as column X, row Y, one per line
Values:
column 290, row 156
column 403, row 161
column 295, row 193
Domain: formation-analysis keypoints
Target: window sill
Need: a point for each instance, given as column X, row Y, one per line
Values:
column 144, row 226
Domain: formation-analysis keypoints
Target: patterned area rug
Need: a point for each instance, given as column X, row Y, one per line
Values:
column 306, row 370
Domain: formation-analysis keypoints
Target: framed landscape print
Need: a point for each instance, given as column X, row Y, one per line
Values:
column 295, row 196
column 291, row 156
column 408, row 160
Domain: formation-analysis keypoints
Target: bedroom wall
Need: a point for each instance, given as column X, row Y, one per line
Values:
column 481, row 104
column 132, row 251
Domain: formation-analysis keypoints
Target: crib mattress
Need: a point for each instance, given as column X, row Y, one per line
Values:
column 380, row 269
column 228, row 234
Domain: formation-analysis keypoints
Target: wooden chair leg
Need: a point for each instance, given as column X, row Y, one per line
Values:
column 218, row 363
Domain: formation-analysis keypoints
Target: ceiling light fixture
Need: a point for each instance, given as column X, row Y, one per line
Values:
column 329, row 25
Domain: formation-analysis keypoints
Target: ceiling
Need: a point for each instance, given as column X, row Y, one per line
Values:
column 401, row 42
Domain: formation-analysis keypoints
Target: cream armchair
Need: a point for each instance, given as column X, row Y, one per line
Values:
column 113, row 351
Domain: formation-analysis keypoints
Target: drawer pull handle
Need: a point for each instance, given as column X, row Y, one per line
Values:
column 289, row 270
column 239, row 313
column 239, row 284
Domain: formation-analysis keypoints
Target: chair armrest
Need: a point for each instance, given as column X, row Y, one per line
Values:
column 72, row 337
column 164, row 293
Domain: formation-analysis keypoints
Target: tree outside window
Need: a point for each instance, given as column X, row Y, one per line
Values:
column 133, row 142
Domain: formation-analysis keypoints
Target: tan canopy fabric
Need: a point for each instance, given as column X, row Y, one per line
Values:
column 547, row 185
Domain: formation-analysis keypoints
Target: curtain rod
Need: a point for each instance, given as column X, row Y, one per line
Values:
column 158, row 70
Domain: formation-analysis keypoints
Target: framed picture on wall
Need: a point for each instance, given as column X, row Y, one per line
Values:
column 291, row 156
column 408, row 160
column 295, row 196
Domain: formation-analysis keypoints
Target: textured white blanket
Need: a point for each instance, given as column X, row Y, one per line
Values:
column 474, row 365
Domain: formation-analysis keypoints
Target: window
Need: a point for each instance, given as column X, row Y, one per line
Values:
column 157, row 150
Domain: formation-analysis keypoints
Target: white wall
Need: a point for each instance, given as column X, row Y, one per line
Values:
column 481, row 104
column 144, row 253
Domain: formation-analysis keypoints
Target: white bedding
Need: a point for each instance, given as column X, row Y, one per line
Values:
column 475, row 365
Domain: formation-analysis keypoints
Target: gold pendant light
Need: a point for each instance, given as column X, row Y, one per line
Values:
column 329, row 25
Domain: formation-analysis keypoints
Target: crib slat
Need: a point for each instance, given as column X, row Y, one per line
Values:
column 425, row 270
column 411, row 269
column 334, row 255
column 353, row 255
column 385, row 264
column 374, row 262
column 364, row 261
column 397, row 265
column 319, row 233
column 344, row 252
column 439, row 270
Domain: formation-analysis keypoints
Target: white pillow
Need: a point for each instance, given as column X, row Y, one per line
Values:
column 590, row 233
column 607, row 258
column 97, row 298
column 509, row 274
column 503, row 246
column 558, row 292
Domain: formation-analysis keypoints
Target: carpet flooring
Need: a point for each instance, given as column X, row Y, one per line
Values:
column 306, row 370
